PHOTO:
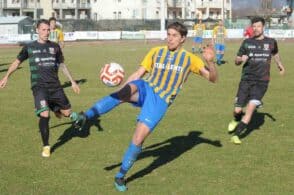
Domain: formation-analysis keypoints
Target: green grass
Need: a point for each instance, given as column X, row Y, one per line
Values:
column 203, row 163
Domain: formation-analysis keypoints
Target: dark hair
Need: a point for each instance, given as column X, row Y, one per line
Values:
column 52, row 19
column 42, row 21
column 178, row 27
column 258, row 19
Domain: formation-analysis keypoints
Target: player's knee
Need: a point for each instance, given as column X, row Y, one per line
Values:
column 65, row 113
column 123, row 94
column 44, row 114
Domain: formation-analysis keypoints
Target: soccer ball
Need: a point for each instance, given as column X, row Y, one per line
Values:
column 112, row 74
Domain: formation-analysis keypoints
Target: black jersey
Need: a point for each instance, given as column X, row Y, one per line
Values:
column 257, row 67
column 44, row 60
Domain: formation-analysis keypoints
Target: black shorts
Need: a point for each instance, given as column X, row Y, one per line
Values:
column 250, row 91
column 53, row 99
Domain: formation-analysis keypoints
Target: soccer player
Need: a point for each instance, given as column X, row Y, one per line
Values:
column 168, row 68
column 255, row 53
column 45, row 57
column 219, row 34
column 198, row 39
column 56, row 34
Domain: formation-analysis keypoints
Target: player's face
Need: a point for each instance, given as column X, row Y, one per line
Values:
column 52, row 24
column 174, row 39
column 257, row 29
column 43, row 32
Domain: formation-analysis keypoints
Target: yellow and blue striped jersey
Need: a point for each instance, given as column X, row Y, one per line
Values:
column 219, row 33
column 169, row 70
column 56, row 36
column 198, row 30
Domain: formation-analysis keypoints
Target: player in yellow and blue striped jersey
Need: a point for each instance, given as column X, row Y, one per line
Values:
column 168, row 67
column 56, row 35
column 219, row 35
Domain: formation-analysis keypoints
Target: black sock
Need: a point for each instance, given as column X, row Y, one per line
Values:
column 240, row 127
column 44, row 130
column 238, row 116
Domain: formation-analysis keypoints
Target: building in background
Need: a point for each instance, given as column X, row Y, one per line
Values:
column 117, row 9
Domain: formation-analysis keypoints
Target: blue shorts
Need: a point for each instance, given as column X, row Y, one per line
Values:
column 198, row 39
column 219, row 47
column 153, row 108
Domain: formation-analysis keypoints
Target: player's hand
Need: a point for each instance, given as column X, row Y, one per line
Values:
column 208, row 53
column 244, row 58
column 75, row 87
column 3, row 82
column 282, row 70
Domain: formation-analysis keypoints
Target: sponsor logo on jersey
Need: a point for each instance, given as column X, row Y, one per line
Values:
column 266, row 47
column 51, row 50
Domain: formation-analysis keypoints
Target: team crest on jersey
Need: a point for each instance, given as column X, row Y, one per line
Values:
column 51, row 50
column 266, row 46
column 43, row 103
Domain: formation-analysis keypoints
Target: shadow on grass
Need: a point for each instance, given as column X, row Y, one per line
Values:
column 256, row 122
column 5, row 69
column 4, row 64
column 72, row 132
column 168, row 151
column 68, row 83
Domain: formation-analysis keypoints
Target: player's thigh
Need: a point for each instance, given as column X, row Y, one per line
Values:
column 40, row 100
column 257, row 93
column 153, row 110
column 58, row 101
column 242, row 94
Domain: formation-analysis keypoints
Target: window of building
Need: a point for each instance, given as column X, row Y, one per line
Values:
column 63, row 1
column 119, row 15
column 114, row 15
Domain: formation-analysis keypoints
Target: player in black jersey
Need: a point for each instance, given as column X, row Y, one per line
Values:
column 255, row 53
column 45, row 58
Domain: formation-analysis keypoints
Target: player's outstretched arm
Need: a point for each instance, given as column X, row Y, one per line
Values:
column 66, row 72
column 10, row 70
column 279, row 64
column 209, row 72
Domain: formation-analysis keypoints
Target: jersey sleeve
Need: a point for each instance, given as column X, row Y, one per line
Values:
column 60, row 36
column 242, row 50
column 147, row 62
column 196, row 64
column 59, row 55
column 225, row 32
column 23, row 54
column 214, row 31
column 275, row 49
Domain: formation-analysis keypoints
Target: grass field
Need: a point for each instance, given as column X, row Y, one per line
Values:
column 188, row 153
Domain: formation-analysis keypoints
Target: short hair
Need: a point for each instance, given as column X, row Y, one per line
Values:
column 258, row 19
column 52, row 19
column 42, row 21
column 178, row 27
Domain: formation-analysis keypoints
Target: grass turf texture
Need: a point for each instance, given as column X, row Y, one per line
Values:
column 188, row 153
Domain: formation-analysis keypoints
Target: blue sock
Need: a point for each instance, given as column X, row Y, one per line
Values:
column 221, row 56
column 128, row 160
column 102, row 106
column 218, row 57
